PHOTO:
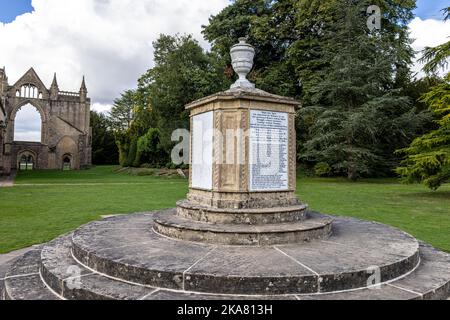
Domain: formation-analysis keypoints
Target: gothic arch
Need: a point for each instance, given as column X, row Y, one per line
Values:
column 12, row 117
column 24, row 86
column 67, row 161
column 65, row 147
column 27, row 153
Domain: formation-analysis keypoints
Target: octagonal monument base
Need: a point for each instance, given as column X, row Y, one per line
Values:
column 124, row 258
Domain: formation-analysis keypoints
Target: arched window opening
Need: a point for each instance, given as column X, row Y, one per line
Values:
column 28, row 124
column 29, row 91
column 26, row 162
column 67, row 163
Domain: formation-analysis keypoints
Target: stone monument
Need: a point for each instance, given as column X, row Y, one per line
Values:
column 241, row 233
column 243, row 169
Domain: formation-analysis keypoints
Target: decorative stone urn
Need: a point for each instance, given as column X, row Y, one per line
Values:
column 242, row 55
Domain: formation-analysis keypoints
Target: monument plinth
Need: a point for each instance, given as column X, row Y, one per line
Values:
column 243, row 169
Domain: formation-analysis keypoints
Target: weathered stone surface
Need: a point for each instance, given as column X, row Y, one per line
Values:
column 27, row 288
column 259, row 216
column 384, row 292
column 97, row 287
column 25, row 265
column 347, row 260
column 259, row 270
column 74, row 282
column 432, row 279
column 174, row 226
column 175, row 296
column 191, row 271
column 3, row 270
column 243, row 200
column 150, row 259
column 57, row 264
column 154, row 261
column 22, row 280
column 2, row 289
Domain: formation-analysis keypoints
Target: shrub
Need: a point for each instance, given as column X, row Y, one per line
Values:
column 322, row 169
column 150, row 149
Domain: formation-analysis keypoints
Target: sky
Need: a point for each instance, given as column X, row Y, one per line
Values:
column 110, row 41
column 27, row 126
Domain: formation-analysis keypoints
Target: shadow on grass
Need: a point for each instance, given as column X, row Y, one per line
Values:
column 428, row 195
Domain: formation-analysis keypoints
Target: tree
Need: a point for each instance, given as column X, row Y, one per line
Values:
column 104, row 149
column 270, row 27
column 122, row 113
column 428, row 157
column 437, row 57
column 150, row 150
column 321, row 53
column 183, row 72
column 355, row 110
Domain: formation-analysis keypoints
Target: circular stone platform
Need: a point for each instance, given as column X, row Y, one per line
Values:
column 131, row 250
column 124, row 258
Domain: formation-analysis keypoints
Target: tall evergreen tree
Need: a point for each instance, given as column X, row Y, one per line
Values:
column 104, row 149
column 122, row 112
column 357, row 112
column 348, row 78
column 428, row 157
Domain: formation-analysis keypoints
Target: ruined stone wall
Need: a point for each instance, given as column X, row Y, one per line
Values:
column 66, row 131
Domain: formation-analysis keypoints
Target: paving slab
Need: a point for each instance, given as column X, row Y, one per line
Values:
column 384, row 292
column 28, row 288
column 260, row 270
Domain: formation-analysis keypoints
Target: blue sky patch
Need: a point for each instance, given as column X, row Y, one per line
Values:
column 431, row 9
column 10, row 9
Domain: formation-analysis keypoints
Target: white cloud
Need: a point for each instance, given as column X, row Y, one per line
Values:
column 27, row 124
column 108, row 41
column 427, row 33
column 101, row 107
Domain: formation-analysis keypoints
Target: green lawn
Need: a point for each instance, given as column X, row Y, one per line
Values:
column 45, row 204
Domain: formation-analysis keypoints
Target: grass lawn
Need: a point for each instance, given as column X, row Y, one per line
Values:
column 45, row 204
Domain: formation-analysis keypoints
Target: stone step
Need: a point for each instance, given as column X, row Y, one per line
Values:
column 119, row 248
column 430, row 281
column 72, row 281
column 4, row 267
column 172, row 225
column 193, row 211
column 23, row 281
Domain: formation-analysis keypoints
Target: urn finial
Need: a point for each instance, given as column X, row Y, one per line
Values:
column 242, row 55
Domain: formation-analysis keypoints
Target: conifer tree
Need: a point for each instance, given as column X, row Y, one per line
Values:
column 428, row 157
